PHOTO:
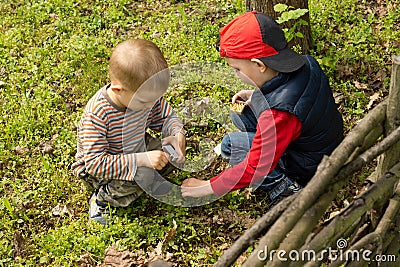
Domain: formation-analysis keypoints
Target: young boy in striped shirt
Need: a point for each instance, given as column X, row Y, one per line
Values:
column 113, row 151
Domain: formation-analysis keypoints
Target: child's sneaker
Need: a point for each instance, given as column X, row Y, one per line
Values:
column 98, row 211
column 292, row 189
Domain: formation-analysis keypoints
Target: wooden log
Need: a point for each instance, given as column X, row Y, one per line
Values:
column 382, row 190
column 320, row 254
column 386, row 144
column 393, row 247
column 360, row 233
column 305, row 225
column 388, row 159
column 378, row 236
column 327, row 169
column 309, row 220
column 369, row 141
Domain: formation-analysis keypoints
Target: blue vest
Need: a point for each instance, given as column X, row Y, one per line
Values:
column 306, row 94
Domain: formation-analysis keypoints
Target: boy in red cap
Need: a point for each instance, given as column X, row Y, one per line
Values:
column 290, row 120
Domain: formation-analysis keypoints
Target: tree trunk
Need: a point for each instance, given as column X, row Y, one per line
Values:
column 267, row 7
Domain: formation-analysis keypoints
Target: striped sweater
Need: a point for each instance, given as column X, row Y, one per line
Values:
column 109, row 136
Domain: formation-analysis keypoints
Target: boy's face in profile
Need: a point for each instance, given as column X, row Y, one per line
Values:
column 245, row 70
column 149, row 92
column 144, row 98
column 250, row 71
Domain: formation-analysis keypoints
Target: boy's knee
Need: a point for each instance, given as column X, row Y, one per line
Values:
column 226, row 145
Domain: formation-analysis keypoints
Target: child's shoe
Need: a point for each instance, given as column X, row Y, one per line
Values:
column 292, row 189
column 98, row 211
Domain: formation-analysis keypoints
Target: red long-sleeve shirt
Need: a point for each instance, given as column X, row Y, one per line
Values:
column 275, row 131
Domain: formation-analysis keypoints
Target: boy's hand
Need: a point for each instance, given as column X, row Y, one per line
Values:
column 244, row 95
column 179, row 143
column 155, row 159
column 193, row 187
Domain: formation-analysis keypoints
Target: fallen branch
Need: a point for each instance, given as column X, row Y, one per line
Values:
column 392, row 118
column 304, row 226
column 385, row 223
column 369, row 155
column 370, row 140
column 320, row 254
column 393, row 246
column 295, row 238
column 361, row 232
column 327, row 169
column 382, row 190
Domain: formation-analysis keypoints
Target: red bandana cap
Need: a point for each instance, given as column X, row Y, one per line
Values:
column 256, row 35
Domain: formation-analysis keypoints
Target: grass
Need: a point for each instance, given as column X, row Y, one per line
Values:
column 54, row 56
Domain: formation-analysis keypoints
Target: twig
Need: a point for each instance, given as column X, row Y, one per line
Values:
column 305, row 225
column 369, row 141
column 381, row 190
column 327, row 169
column 373, row 194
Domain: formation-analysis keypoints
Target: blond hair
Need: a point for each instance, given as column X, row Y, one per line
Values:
column 133, row 62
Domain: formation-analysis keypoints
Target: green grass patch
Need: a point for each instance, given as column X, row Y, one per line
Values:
column 54, row 57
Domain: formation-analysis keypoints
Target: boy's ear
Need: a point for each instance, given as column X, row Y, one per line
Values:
column 260, row 64
column 116, row 88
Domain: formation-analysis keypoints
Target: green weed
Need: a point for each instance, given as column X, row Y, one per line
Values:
column 53, row 57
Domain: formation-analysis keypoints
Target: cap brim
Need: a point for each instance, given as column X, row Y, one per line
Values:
column 286, row 61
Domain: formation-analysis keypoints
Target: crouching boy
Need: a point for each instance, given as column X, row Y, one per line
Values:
column 113, row 146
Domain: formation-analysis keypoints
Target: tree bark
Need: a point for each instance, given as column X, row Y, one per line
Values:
column 327, row 169
column 392, row 118
column 267, row 7
column 306, row 197
column 387, row 220
column 295, row 238
column 369, row 141
column 381, row 191
column 393, row 247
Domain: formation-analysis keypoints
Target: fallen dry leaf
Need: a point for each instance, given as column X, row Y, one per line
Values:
column 21, row 150
column 361, row 86
column 168, row 236
column 61, row 210
column 125, row 258
column 372, row 100
column 224, row 246
column 248, row 192
column 85, row 260
column 19, row 244
column 53, row 16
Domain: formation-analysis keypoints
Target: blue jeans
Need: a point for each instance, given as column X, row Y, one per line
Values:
column 236, row 145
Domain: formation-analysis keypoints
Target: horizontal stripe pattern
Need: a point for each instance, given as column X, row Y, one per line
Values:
column 108, row 138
